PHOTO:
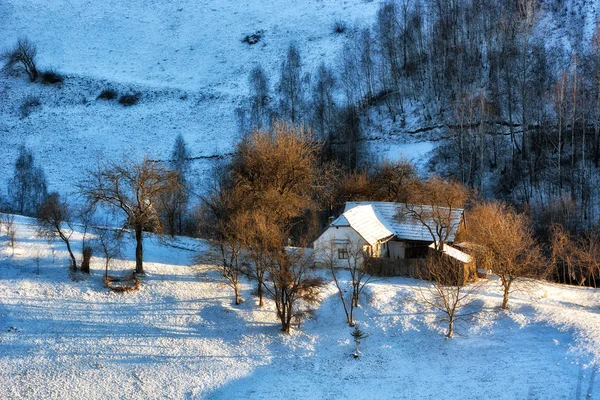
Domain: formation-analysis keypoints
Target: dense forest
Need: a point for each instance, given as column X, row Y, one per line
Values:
column 517, row 117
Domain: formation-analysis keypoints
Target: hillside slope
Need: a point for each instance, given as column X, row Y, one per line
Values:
column 186, row 58
column 181, row 337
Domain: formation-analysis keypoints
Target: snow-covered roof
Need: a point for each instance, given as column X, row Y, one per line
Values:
column 364, row 221
column 379, row 221
column 454, row 253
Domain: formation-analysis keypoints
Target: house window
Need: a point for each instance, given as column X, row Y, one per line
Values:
column 343, row 253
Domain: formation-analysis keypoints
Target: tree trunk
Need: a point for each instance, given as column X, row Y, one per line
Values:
column 506, row 287
column 237, row 294
column 259, row 292
column 139, row 250
column 87, row 257
column 450, row 332
column 73, row 260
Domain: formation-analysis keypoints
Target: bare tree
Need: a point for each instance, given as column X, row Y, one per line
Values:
column 21, row 57
column 173, row 202
column 449, row 292
column 324, row 106
column 259, row 99
column 132, row 187
column 259, row 243
column 87, row 250
column 505, row 244
column 354, row 264
column 576, row 260
column 435, row 204
column 394, row 180
column 108, row 242
column 55, row 221
column 7, row 221
column 290, row 280
column 291, row 86
column 275, row 173
column 221, row 221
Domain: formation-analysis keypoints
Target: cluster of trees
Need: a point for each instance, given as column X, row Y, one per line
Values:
column 303, row 99
column 256, row 204
column 149, row 195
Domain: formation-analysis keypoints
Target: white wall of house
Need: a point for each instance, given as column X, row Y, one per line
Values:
column 332, row 243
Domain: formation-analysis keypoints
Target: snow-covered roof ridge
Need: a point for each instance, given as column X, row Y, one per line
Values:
column 364, row 220
column 378, row 220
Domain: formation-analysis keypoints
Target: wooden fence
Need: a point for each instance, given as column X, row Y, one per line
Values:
column 412, row 268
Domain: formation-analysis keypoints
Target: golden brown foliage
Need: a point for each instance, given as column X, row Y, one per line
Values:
column 505, row 244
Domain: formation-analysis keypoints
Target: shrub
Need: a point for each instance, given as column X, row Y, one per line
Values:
column 339, row 27
column 129, row 99
column 29, row 104
column 253, row 38
column 107, row 94
column 51, row 77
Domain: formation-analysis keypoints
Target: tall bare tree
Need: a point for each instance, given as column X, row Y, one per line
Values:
column 27, row 188
column 291, row 86
column 355, row 266
column 260, row 99
column 7, row 222
column 221, row 221
column 275, row 173
column 55, row 221
column 132, row 187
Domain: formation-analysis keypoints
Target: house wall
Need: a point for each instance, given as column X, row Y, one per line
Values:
column 327, row 245
column 396, row 250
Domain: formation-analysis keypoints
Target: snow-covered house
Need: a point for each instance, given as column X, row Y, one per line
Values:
column 380, row 230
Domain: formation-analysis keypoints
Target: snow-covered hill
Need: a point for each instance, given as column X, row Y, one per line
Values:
column 188, row 61
column 181, row 337
column 186, row 58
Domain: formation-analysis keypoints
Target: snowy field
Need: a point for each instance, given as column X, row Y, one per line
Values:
column 181, row 337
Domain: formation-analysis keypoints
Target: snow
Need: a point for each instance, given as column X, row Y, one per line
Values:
column 180, row 336
column 363, row 219
column 186, row 58
column 454, row 253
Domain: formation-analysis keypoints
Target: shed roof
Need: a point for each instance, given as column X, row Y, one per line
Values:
column 454, row 253
column 380, row 221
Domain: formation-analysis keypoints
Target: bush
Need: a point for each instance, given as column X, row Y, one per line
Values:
column 29, row 104
column 107, row 94
column 339, row 27
column 51, row 77
column 253, row 38
column 129, row 99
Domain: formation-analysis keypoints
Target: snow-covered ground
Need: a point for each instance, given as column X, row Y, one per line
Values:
column 181, row 337
column 186, row 58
